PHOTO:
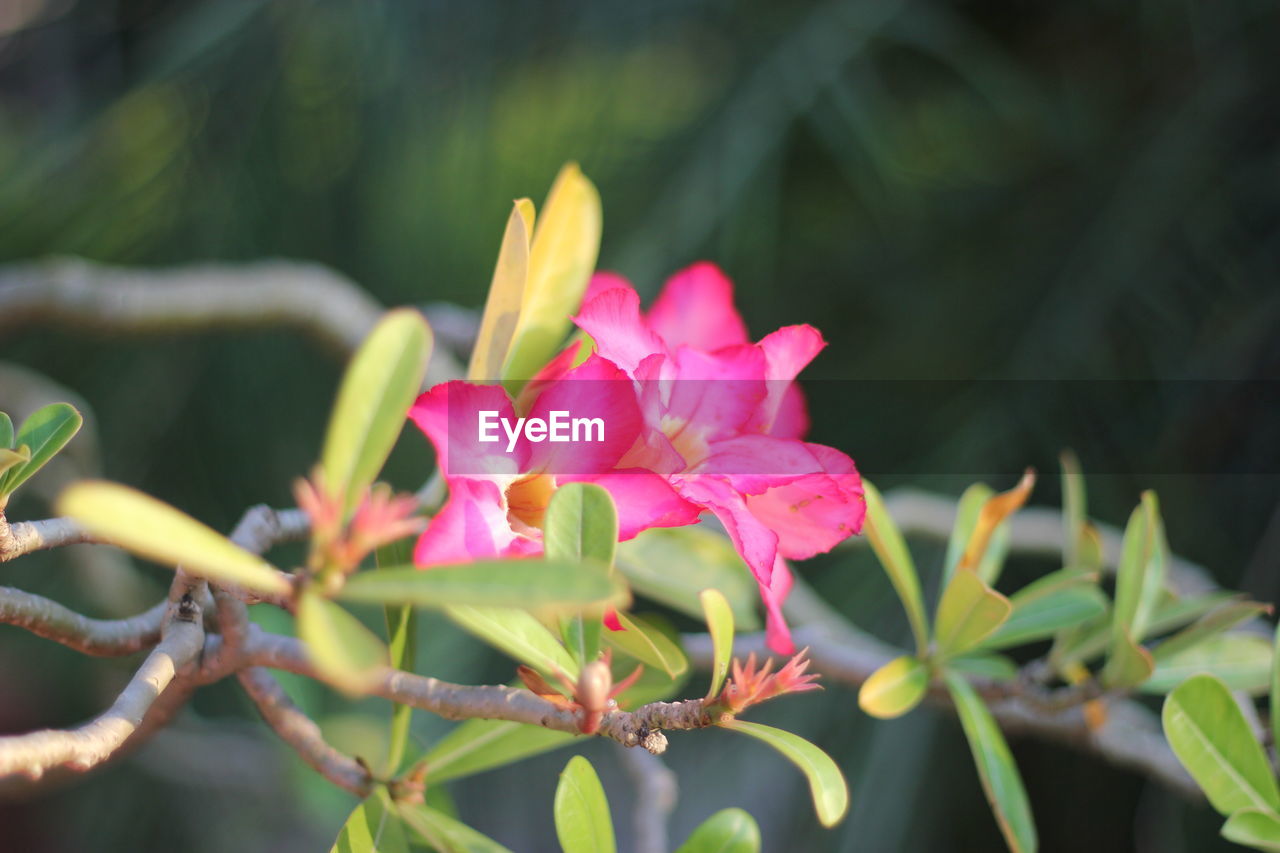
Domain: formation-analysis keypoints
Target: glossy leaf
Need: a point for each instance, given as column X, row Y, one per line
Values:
column 989, row 667
column 373, row 827
column 6, row 431
column 562, row 257
column 478, row 745
column 525, row 583
column 706, row 560
column 518, row 634
column 1000, row 779
column 1254, row 828
column 10, row 459
column 1074, row 508
column 1216, row 621
column 1045, row 615
column 646, row 643
column 46, row 431
column 581, row 526
column 891, row 549
column 1210, row 736
column 1141, row 572
column 1128, row 664
column 726, row 831
column 719, row 618
column 583, row 824
column 1242, row 661
column 1054, row 582
column 380, row 384
column 445, row 834
column 969, row 612
column 968, row 508
column 402, row 641
column 506, row 295
column 895, row 688
column 826, row 783
column 157, row 531
column 345, row 652
column 985, row 529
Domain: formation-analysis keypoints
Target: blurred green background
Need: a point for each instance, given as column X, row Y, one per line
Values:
column 950, row 191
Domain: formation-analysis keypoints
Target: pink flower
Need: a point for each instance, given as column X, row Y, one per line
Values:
column 723, row 419
column 497, row 498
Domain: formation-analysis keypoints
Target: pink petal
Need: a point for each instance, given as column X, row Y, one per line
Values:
column 695, row 308
column 472, row 525
column 644, row 500
column 777, row 634
column 718, row 393
column 814, row 513
column 596, row 389
column 449, row 416
column 602, row 281
column 792, row 417
column 787, row 351
column 613, row 321
column 756, row 543
column 753, row 464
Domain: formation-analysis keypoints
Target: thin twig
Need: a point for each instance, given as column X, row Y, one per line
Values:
column 24, row 537
column 98, row 637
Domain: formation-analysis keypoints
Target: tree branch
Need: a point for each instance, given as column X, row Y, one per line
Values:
column 81, row 749
column 23, row 537
column 99, row 637
column 301, row 732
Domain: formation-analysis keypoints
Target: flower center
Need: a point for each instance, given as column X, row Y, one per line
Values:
column 689, row 443
column 527, row 499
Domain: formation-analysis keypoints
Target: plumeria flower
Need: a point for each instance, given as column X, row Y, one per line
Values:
column 723, row 422
column 498, row 498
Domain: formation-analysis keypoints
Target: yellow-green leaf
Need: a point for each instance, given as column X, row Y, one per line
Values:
column 1242, row 661
column 13, row 458
column 647, row 644
column 826, row 782
column 1128, row 664
column 969, row 612
column 1074, row 508
column 157, row 531
column 443, row 833
column 1254, row 828
column 45, row 432
column 1141, row 572
column 581, row 526
column 704, row 559
column 6, row 431
column 999, row 775
column 968, row 507
column 373, row 827
column 533, row 584
column 1042, row 616
column 381, row 382
column 583, row 824
column 726, row 831
column 1275, row 688
column 506, row 295
column 1212, row 739
column 517, row 634
column 981, row 553
column 895, row 688
column 886, row 540
column 344, row 652
column 1218, row 620
column 478, row 745
column 720, row 625
column 562, row 257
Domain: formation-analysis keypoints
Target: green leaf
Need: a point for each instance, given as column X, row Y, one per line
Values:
column 969, row 612
column 989, row 667
column 506, row 295
column 1045, row 615
column 517, row 634
column 895, row 688
column 1275, row 689
column 720, row 625
column 1210, row 736
column 402, row 635
column 1254, row 828
column 1141, row 572
column 445, row 834
column 344, row 652
column 478, row 745
column 1000, row 780
column 533, row 584
column 10, row 459
column 157, row 531
column 582, row 817
column 380, row 384
column 374, row 827
column 1242, row 661
column 1216, row 621
column 886, row 540
column 6, row 431
column 1092, row 639
column 703, row 558
column 1128, row 665
column 45, row 432
column 726, row 831
column 1054, row 582
column 986, row 540
column 1074, row 508
column 649, row 645
column 826, row 784
column 581, row 526
column 968, row 509
column 566, row 240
